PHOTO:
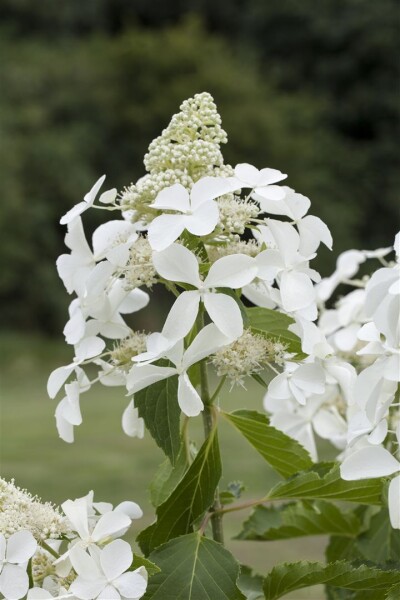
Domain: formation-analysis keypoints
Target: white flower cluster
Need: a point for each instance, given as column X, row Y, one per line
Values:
column 80, row 558
column 192, row 246
column 247, row 355
column 188, row 149
column 347, row 390
column 20, row 510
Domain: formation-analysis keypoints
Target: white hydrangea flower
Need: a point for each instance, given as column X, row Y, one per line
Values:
column 88, row 200
column 105, row 573
column 260, row 181
column 179, row 264
column 207, row 341
column 14, row 555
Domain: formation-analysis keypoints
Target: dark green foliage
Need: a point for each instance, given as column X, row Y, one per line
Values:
column 194, row 568
column 190, row 499
column 86, row 86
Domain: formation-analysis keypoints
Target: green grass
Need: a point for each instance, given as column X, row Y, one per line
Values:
column 105, row 460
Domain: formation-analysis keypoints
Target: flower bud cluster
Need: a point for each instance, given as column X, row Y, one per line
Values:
column 246, row 356
column 188, row 149
column 140, row 270
column 126, row 349
column 234, row 246
column 20, row 510
column 236, row 214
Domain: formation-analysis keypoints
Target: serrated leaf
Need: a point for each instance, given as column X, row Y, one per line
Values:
column 190, row 499
column 324, row 481
column 250, row 584
column 288, row 577
column 282, row 452
column 274, row 325
column 340, row 548
column 194, row 567
column 380, row 543
column 141, row 561
column 158, row 406
column 167, row 478
column 298, row 519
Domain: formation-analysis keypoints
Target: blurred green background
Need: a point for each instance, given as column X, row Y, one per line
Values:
column 307, row 87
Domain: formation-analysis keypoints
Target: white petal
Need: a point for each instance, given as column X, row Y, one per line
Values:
column 378, row 435
column 182, row 316
column 57, row 379
column 164, row 230
column 313, row 231
column 208, row 188
column 175, row 197
column 310, row 377
column 297, row 291
column 39, row 594
column 134, row 301
column 74, row 330
column 65, row 428
column 75, row 240
column 269, row 263
column 84, row 564
column 348, row 263
column 247, row 174
column 132, row 424
column 204, row 219
column 177, row 263
column 188, row 398
column 328, row 424
column 394, row 502
column 141, row 376
column 86, row 589
column 109, row 593
column 91, row 195
column 206, row 342
column 129, row 508
column 225, row 313
column 133, row 584
column 232, row 271
column 279, row 387
column 89, row 348
column 372, row 461
column 74, row 212
column 116, row 558
column 271, row 192
column 286, row 238
column 110, row 524
column 14, row 582
column 109, row 196
column 76, row 512
column 269, row 176
column 21, row 546
column 110, row 234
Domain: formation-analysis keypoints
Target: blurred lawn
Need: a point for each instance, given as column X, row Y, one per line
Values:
column 105, row 460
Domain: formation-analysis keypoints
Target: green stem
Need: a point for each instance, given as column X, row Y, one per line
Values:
column 209, row 424
column 49, row 549
column 30, row 573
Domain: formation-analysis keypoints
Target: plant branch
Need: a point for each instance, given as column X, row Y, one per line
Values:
column 49, row 549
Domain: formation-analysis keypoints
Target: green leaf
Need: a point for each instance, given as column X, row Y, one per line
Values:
column 380, row 543
column 141, row 561
column 250, row 584
column 194, row 567
column 340, row 548
column 167, row 478
column 288, row 577
column 299, row 519
column 190, row 499
column 274, row 325
column 282, row 452
column 324, row 481
column 158, row 406
column 393, row 592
